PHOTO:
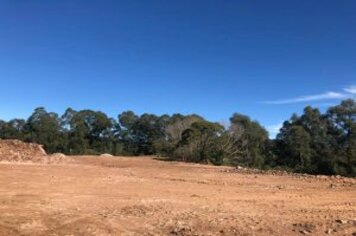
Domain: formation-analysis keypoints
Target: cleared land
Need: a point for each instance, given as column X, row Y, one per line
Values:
column 143, row 196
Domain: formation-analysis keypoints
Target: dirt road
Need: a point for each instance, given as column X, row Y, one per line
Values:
column 142, row 196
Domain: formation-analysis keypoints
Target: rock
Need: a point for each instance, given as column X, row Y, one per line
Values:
column 329, row 231
column 280, row 187
column 342, row 221
column 304, row 232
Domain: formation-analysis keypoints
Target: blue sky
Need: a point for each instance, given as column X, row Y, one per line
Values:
column 266, row 59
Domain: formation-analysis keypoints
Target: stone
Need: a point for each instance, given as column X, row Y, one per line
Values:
column 342, row 221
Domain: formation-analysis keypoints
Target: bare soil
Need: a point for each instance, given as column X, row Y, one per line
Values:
column 143, row 196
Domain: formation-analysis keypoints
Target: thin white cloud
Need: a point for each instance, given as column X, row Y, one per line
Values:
column 309, row 98
column 351, row 89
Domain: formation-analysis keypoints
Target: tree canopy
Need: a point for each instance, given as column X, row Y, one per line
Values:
column 313, row 142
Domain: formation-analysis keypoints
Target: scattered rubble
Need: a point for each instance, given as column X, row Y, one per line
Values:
column 181, row 229
column 340, row 180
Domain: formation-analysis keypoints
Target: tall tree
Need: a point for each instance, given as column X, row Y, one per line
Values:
column 343, row 120
column 126, row 121
column 14, row 129
column 298, row 141
column 45, row 128
column 198, row 142
column 250, row 137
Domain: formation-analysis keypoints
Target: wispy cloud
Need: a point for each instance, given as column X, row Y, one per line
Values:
column 309, row 98
column 348, row 92
column 351, row 89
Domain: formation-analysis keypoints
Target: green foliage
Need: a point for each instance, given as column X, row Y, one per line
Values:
column 343, row 125
column 320, row 143
column 88, row 132
column 199, row 142
column 313, row 142
column 250, row 137
column 44, row 127
column 143, row 134
column 14, row 129
column 298, row 140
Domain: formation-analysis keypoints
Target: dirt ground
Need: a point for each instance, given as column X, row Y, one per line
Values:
column 143, row 196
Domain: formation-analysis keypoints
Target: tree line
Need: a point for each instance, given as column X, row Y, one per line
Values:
column 315, row 142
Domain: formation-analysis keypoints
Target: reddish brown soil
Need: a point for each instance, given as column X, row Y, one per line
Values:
column 142, row 196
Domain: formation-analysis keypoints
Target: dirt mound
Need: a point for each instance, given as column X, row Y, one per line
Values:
column 18, row 151
column 57, row 158
column 58, row 155
column 106, row 155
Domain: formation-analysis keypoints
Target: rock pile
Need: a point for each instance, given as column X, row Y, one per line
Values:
column 18, row 151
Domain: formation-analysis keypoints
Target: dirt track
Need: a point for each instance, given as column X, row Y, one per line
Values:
column 142, row 196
